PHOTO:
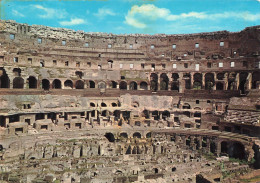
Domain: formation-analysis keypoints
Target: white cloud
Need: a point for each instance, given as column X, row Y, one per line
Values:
column 18, row 14
column 73, row 21
column 258, row 1
column 137, row 16
column 51, row 12
column 102, row 12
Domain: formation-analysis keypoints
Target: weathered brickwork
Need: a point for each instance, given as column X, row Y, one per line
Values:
column 96, row 107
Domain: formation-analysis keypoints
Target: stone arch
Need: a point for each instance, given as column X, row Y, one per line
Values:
column 187, row 78
column 175, row 86
column 45, row 84
column 219, row 86
column 113, row 84
column 4, row 79
column 18, row 82
column 213, row 147
column 231, row 81
column 68, row 84
column 137, row 135
column 92, row 104
column 32, row 82
column 148, row 135
column 221, row 76
column 242, row 82
column 238, row 150
column 92, row 84
column 79, row 84
column 56, row 84
column 103, row 104
column 175, row 76
column 165, row 114
column 155, row 115
column 186, row 106
column 143, row 85
column 255, row 80
column 164, row 81
column 224, row 147
column 102, row 85
column 197, row 84
column 154, row 82
column 110, row 137
column 135, row 104
column 145, row 114
column 133, row 85
column 113, row 104
column 209, row 81
column 123, row 85
column 123, row 135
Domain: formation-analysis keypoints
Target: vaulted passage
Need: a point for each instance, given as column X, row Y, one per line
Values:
column 45, row 84
column 197, row 84
column 154, row 82
column 18, row 82
column 92, row 84
column 209, row 81
column 68, row 84
column 79, row 84
column 143, row 86
column 164, row 81
column 56, row 84
column 110, row 137
column 123, row 85
column 4, row 79
column 32, row 81
column 133, row 86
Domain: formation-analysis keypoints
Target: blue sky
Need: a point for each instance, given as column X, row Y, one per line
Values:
column 136, row 16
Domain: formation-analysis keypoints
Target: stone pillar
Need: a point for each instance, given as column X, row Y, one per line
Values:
column 203, row 81
column 191, row 80
column 45, row 116
column 237, row 81
column 7, row 121
column 249, row 81
column 138, row 87
column 148, row 87
column 95, row 114
column 215, row 79
column 226, row 81
column 181, row 83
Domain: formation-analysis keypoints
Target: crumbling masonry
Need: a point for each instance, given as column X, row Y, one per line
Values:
column 95, row 107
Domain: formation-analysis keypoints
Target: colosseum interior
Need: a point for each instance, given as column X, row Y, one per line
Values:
column 100, row 108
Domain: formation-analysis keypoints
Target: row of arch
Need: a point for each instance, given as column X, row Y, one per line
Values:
column 123, row 135
column 154, row 84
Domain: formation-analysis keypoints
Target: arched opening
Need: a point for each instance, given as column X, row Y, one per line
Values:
column 175, row 76
column 165, row 114
column 79, row 74
column 197, row 84
column 113, row 84
column 92, row 104
column 110, row 137
column 238, row 151
column 56, row 84
column 224, row 147
column 123, row 135
column 209, row 81
column 17, row 72
column 156, row 170
column 197, row 114
column 68, row 84
column 79, row 84
column 221, row 76
column 231, row 81
column 187, row 78
column 114, row 104
column 4, row 79
column 219, row 86
column 117, row 113
column 110, row 64
column 213, row 147
column 164, row 81
column 242, row 82
column 134, row 151
column 137, row 135
column 155, row 115
column 32, row 82
column 255, row 80
column 45, row 84
column 123, row 85
column 103, row 104
column 133, row 86
column 18, row 82
column 143, row 86
column 145, row 114
column 101, row 85
column 91, row 84
column 175, row 86
column 149, row 135
column 186, row 106
column 104, row 113
column 128, row 151
column 154, row 82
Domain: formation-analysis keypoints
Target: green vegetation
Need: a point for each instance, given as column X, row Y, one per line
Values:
column 253, row 179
